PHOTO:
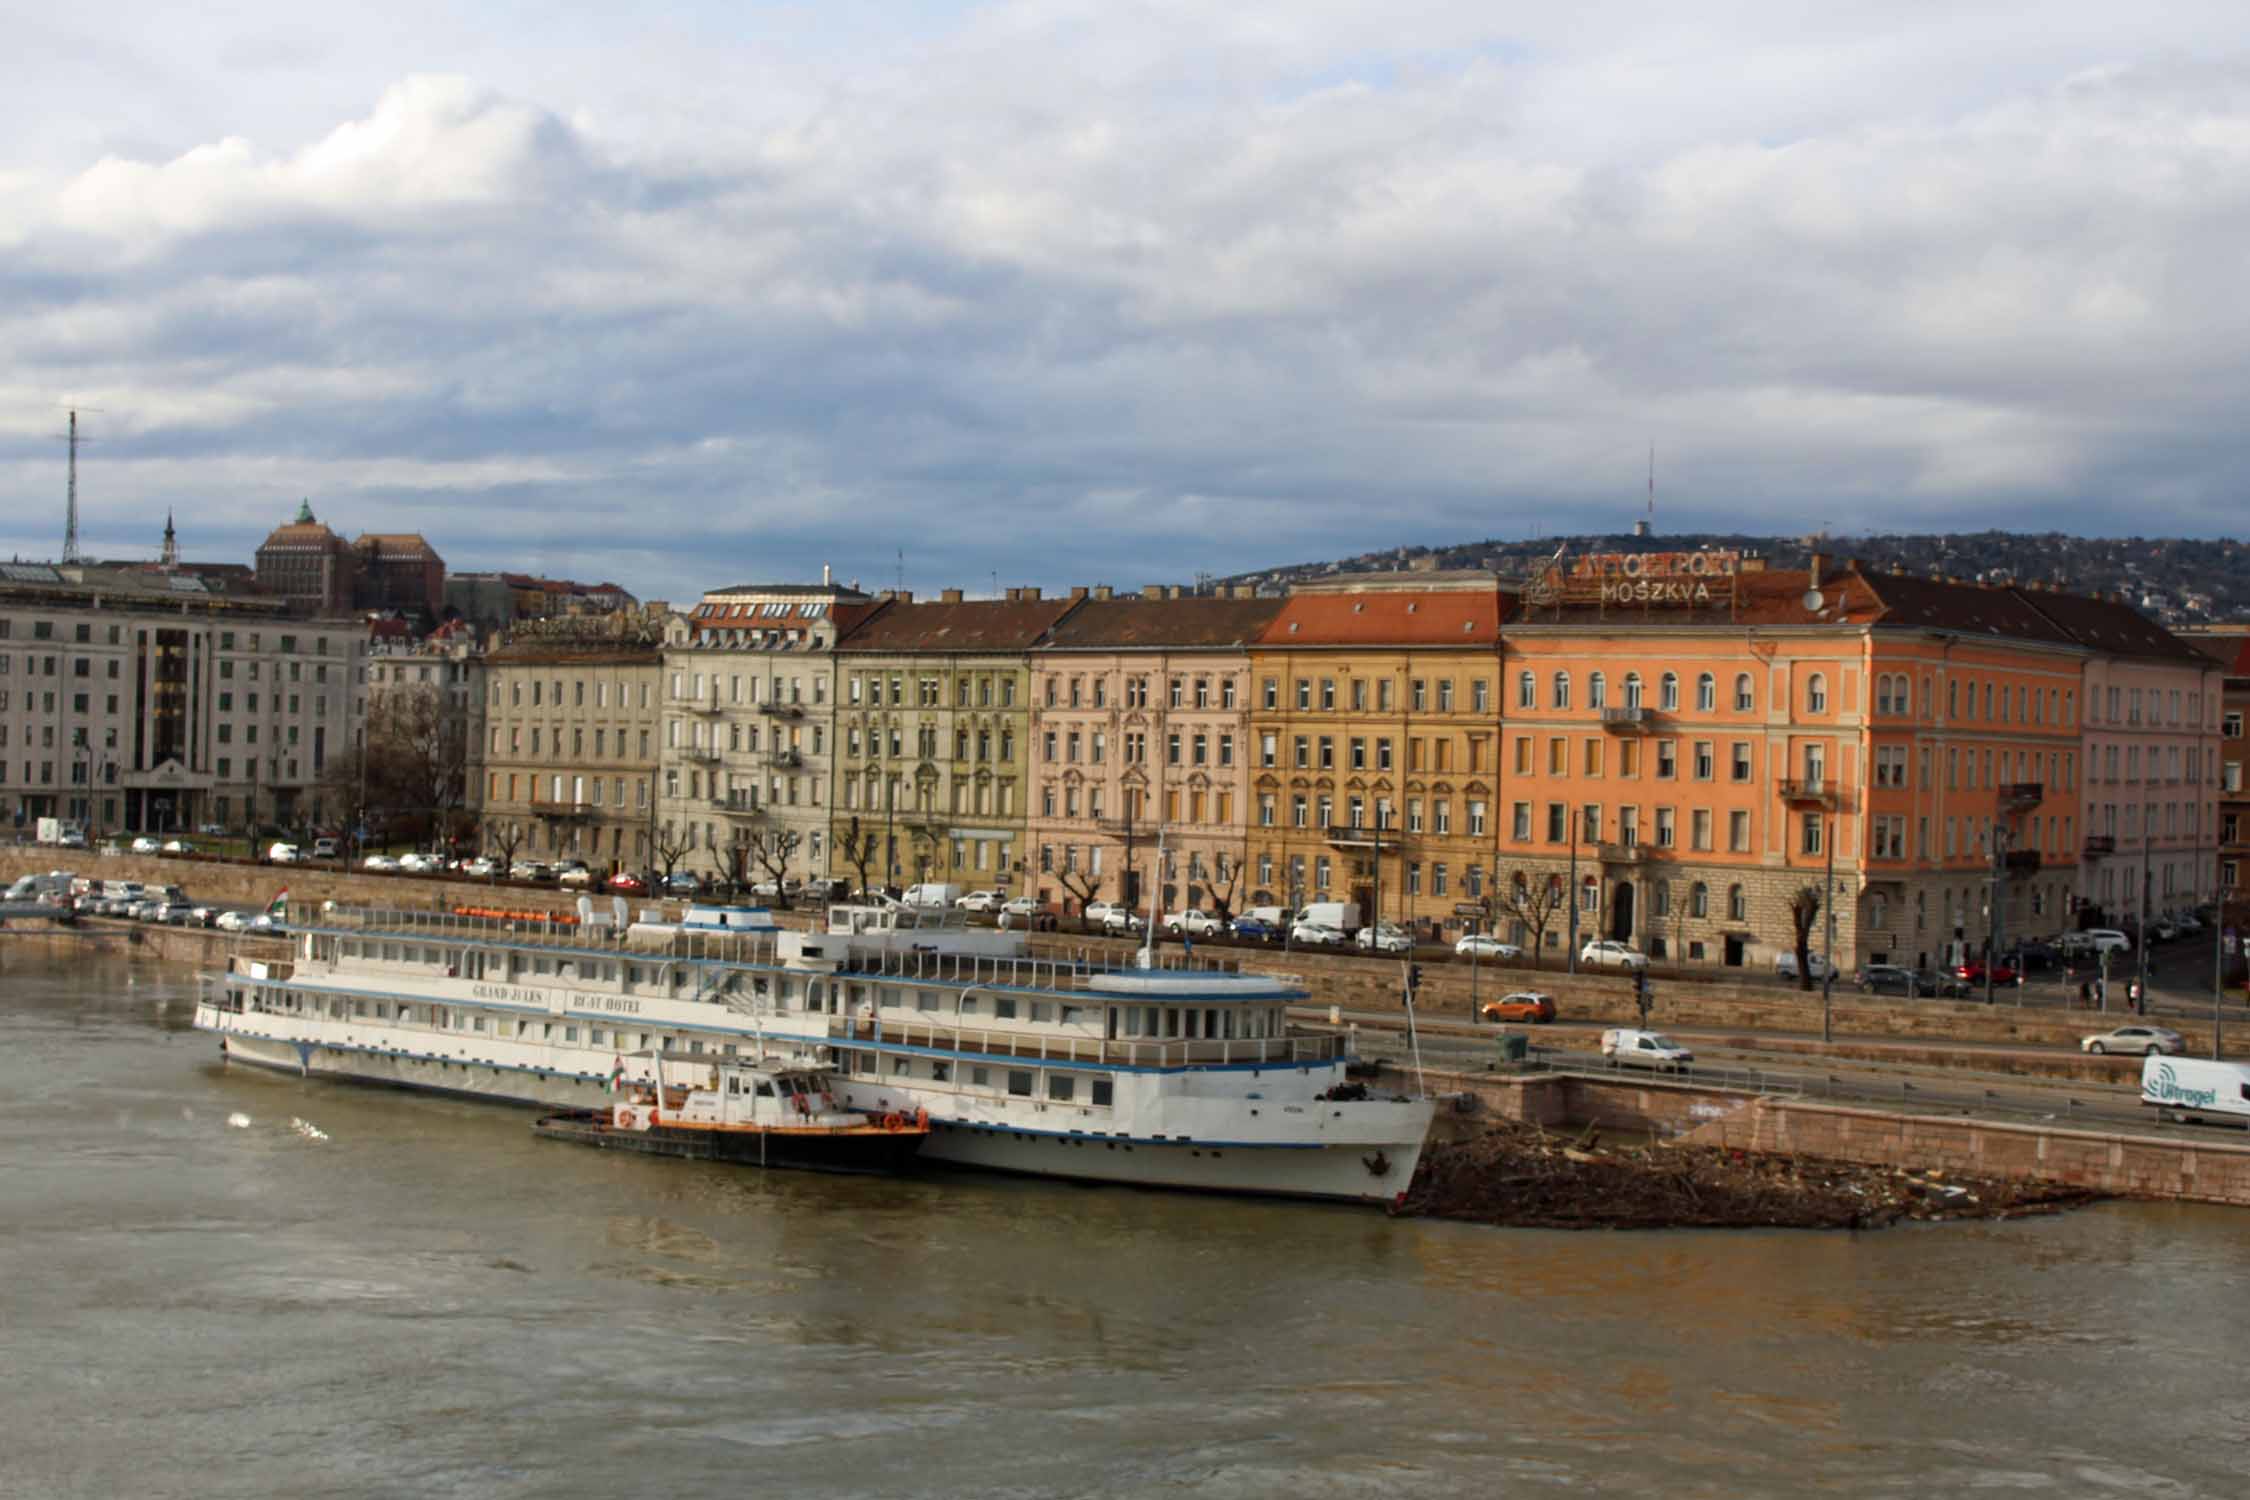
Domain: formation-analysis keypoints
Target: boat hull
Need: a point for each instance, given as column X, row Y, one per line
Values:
column 871, row 1152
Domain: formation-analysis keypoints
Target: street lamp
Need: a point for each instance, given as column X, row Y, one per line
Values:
column 1828, row 936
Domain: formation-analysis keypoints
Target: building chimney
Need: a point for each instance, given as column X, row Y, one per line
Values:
column 1077, row 594
column 1816, row 566
column 949, row 596
column 1103, row 591
column 827, row 576
column 1031, row 593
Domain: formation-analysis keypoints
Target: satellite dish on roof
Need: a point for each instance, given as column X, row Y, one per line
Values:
column 1814, row 599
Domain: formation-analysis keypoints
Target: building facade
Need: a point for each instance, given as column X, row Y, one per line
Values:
column 426, row 709
column 571, row 752
column 1140, row 722
column 1375, row 732
column 2229, row 646
column 932, row 738
column 749, row 729
column 139, row 704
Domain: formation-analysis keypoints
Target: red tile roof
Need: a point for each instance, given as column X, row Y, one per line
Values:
column 1388, row 617
column 970, row 625
column 1150, row 624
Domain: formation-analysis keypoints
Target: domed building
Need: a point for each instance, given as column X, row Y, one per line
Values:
column 308, row 565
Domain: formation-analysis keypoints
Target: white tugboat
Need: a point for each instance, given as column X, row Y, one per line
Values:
column 1155, row 1073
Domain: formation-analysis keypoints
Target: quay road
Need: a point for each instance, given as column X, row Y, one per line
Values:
column 1729, row 1059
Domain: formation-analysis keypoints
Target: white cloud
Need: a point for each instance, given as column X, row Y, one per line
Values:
column 1160, row 287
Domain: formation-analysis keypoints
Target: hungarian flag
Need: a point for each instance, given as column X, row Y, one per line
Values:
column 617, row 1075
column 278, row 909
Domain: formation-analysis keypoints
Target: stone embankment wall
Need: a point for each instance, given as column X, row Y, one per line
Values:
column 2213, row 1170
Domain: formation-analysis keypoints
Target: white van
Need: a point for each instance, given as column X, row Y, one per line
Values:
column 1644, row 1049
column 1341, row 915
column 933, row 893
column 2191, row 1088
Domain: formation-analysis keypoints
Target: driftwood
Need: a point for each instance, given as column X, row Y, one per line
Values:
column 1519, row 1175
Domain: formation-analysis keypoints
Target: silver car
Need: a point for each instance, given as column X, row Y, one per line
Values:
column 2141, row 1040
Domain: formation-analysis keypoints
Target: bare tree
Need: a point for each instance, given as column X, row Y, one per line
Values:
column 772, row 849
column 857, row 847
column 501, row 841
column 417, row 753
column 1083, row 884
column 671, row 847
column 1804, row 910
column 1533, row 899
column 1226, row 879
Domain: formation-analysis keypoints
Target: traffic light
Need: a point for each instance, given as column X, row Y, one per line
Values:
column 1413, row 976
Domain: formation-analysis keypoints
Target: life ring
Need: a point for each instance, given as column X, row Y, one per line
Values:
column 893, row 1122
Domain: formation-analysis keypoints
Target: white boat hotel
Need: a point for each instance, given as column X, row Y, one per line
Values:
column 1165, row 1076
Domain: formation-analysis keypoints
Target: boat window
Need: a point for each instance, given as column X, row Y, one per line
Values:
column 980, row 1078
column 594, row 1036
column 1003, row 1009
column 1102, row 1092
column 479, row 1026
column 695, row 1045
column 940, row 1072
column 1072, row 1014
column 765, row 1089
column 901, row 1066
column 1061, row 1086
column 1226, row 1024
column 925, row 1000
column 969, row 1005
column 1171, row 1020
column 729, row 1049
column 1019, row 1082
column 1042, row 1012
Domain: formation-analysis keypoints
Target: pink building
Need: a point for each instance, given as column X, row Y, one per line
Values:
column 2151, row 747
column 1140, row 717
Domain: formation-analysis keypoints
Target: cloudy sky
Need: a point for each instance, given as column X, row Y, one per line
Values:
column 1115, row 290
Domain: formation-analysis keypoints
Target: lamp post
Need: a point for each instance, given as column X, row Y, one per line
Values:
column 1828, row 936
column 1995, row 903
column 1570, row 945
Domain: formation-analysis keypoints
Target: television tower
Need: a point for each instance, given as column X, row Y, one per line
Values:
column 70, row 520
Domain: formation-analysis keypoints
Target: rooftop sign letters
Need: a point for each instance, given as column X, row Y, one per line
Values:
column 1679, row 580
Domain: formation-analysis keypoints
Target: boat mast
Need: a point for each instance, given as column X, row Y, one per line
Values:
column 1148, row 933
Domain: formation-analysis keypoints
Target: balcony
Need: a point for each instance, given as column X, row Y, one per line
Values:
column 2098, row 844
column 786, row 760
column 547, row 807
column 737, row 807
column 709, row 707
column 782, row 710
column 1625, row 719
column 705, row 754
column 1360, row 836
column 1810, row 791
column 2022, row 796
column 1624, row 854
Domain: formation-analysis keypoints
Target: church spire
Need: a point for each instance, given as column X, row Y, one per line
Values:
column 171, row 544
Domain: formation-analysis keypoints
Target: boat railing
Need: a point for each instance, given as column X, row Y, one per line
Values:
column 939, row 966
column 1139, row 1052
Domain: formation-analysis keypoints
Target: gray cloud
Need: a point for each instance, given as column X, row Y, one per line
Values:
column 1073, row 294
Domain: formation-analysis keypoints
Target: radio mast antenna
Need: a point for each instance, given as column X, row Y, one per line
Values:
column 70, row 513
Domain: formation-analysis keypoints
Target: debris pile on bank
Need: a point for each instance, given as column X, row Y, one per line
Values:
column 1519, row 1175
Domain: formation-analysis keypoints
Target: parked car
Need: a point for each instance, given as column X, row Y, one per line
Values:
column 283, row 854
column 1610, row 953
column 146, row 845
column 626, row 883
column 573, row 872
column 2148, row 1041
column 1026, row 912
column 1194, row 923
column 2095, row 940
column 483, row 864
column 1384, row 937
column 1644, row 1049
column 265, row 921
column 1098, row 914
column 1529, row 1006
column 233, row 921
column 1785, row 965
column 178, row 846
column 529, row 869
column 679, row 883
column 1485, row 945
column 420, row 864
column 985, row 901
column 381, row 864
column 1972, row 973
column 1894, row 979
column 1317, row 935
column 212, row 830
column 204, row 916
column 1254, row 928
column 1121, row 919
column 175, row 913
column 2164, row 929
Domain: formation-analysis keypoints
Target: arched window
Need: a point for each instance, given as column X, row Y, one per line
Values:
column 1743, row 700
column 1597, row 691
column 1699, row 900
column 1706, row 693
column 1668, row 692
column 1562, row 690
column 1816, row 694
column 1738, row 909
column 1527, row 688
column 1632, row 690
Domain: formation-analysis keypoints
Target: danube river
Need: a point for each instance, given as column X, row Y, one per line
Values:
column 422, row 1300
